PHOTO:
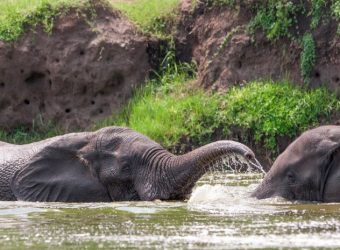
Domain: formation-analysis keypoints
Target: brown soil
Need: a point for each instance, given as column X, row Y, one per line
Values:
column 244, row 57
column 83, row 72
column 226, row 54
column 87, row 70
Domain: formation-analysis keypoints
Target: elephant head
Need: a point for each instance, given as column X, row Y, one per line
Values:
column 309, row 169
column 114, row 164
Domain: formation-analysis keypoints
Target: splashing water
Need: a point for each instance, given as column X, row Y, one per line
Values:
column 219, row 215
column 236, row 163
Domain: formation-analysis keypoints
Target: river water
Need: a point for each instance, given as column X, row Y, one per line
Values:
column 219, row 215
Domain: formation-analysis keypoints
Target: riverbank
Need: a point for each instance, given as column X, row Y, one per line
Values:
column 207, row 78
column 173, row 111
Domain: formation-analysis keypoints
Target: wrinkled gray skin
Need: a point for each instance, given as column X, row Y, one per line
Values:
column 309, row 169
column 111, row 164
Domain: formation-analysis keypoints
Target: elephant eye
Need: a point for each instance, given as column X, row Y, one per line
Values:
column 249, row 156
column 291, row 177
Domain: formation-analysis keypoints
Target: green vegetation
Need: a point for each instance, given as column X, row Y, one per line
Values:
column 271, row 109
column 171, row 111
column 307, row 56
column 275, row 18
column 22, row 135
column 316, row 12
column 229, row 3
column 16, row 15
column 151, row 16
column 280, row 19
column 336, row 12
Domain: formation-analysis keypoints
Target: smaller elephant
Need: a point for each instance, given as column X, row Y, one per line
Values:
column 111, row 164
column 309, row 169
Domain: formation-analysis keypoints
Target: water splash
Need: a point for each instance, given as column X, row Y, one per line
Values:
column 219, row 215
column 236, row 163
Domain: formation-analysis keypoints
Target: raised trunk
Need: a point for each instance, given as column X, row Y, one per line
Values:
column 188, row 168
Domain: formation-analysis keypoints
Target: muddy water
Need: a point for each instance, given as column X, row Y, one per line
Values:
column 219, row 215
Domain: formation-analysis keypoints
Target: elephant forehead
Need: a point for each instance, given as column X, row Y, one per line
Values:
column 296, row 158
column 319, row 138
column 309, row 144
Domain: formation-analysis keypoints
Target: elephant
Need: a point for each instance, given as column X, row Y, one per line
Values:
column 110, row 164
column 308, row 170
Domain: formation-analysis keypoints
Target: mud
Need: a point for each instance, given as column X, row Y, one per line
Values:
column 83, row 72
column 218, row 40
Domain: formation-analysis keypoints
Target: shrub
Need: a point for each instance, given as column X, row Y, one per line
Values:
column 168, row 110
column 275, row 18
column 278, row 19
column 276, row 109
column 336, row 11
column 308, row 56
column 316, row 12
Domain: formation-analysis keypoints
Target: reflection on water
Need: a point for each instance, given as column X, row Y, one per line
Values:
column 219, row 215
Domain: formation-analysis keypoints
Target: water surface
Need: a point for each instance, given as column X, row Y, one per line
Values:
column 219, row 215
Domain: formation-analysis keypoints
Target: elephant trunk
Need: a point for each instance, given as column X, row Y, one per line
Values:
column 188, row 168
column 265, row 189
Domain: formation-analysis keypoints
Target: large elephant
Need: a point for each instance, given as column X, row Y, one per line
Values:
column 309, row 169
column 111, row 164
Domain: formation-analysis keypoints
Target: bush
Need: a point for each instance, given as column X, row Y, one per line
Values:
column 336, row 11
column 168, row 110
column 275, row 18
column 308, row 56
column 316, row 12
column 279, row 19
column 271, row 109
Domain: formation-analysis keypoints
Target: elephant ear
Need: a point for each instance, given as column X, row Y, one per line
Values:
column 327, row 140
column 58, row 173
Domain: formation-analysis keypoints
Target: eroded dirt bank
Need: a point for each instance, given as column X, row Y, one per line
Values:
column 218, row 40
column 82, row 72
column 227, row 54
column 88, row 67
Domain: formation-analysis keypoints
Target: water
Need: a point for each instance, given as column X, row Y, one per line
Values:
column 219, row 215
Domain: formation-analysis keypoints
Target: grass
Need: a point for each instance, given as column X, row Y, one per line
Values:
column 171, row 111
column 17, row 15
column 151, row 16
column 24, row 135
